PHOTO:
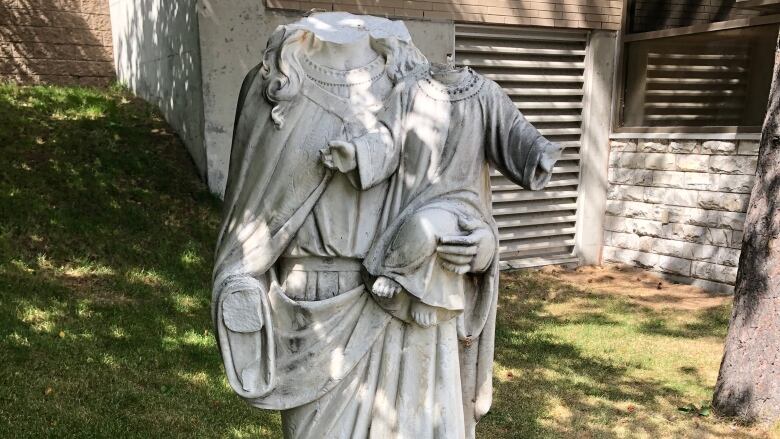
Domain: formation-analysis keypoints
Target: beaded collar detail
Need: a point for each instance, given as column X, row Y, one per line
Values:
column 468, row 84
column 327, row 76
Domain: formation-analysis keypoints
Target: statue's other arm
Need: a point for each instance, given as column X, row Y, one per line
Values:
column 374, row 156
column 377, row 155
column 515, row 147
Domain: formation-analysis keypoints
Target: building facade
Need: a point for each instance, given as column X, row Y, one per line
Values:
column 657, row 105
column 64, row 42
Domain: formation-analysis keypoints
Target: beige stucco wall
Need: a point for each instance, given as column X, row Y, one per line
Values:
column 233, row 36
column 587, row 14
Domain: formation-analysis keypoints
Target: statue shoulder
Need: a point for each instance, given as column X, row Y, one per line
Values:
column 252, row 78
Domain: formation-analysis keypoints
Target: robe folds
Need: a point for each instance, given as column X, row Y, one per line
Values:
column 445, row 134
column 343, row 366
column 275, row 180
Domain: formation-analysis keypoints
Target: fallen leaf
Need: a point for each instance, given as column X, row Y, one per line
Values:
column 48, row 391
column 61, row 334
column 631, row 408
column 690, row 408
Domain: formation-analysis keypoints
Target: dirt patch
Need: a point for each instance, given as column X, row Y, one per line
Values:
column 639, row 286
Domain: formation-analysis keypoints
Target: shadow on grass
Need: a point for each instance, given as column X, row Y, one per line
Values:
column 106, row 240
column 548, row 387
column 709, row 322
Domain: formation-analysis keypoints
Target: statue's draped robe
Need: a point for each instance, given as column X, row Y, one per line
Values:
column 334, row 361
column 445, row 133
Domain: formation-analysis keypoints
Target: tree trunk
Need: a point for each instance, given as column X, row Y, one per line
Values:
column 748, row 386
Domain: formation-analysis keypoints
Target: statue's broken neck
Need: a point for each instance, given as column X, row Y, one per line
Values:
column 341, row 56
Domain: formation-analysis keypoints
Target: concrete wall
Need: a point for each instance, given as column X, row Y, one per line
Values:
column 588, row 14
column 65, row 42
column 233, row 36
column 157, row 55
column 594, row 150
column 678, row 207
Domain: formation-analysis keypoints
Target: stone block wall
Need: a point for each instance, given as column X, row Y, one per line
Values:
column 65, row 42
column 588, row 14
column 678, row 207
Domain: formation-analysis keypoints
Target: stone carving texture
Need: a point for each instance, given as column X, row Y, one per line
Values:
column 356, row 276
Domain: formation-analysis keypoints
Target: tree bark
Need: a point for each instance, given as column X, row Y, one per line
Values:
column 748, row 386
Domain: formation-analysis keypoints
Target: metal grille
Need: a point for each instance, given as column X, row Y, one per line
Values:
column 543, row 71
column 685, row 88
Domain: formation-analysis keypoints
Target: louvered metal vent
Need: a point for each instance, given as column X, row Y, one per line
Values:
column 685, row 88
column 543, row 72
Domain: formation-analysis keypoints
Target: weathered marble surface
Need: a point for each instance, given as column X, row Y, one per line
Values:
column 356, row 273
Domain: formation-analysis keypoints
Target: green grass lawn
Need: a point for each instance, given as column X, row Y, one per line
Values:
column 106, row 241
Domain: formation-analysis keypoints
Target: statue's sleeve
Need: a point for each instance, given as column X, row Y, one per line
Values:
column 515, row 147
column 244, row 335
column 378, row 151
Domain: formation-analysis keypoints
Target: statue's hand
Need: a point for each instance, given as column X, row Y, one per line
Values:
column 385, row 287
column 340, row 155
column 467, row 253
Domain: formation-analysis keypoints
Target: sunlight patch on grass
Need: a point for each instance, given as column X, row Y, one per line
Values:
column 59, row 115
column 17, row 340
column 43, row 262
column 40, row 319
column 187, row 303
column 190, row 257
column 83, row 308
column 203, row 340
column 200, row 378
column 190, row 338
column 250, row 432
column 109, row 360
column 86, row 269
column 117, row 333
column 147, row 277
column 93, row 112
column 21, row 266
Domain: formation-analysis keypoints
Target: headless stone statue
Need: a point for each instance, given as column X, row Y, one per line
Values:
column 429, row 253
column 351, row 162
